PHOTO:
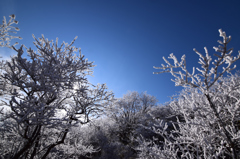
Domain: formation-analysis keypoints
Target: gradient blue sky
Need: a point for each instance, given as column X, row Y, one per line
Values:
column 126, row 38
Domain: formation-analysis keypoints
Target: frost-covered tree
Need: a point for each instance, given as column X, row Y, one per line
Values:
column 209, row 105
column 129, row 112
column 50, row 95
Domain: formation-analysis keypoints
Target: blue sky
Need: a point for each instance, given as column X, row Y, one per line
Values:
column 126, row 38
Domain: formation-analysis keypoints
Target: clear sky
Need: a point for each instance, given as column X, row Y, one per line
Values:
column 126, row 38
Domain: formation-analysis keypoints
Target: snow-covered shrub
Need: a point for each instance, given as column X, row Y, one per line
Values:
column 102, row 135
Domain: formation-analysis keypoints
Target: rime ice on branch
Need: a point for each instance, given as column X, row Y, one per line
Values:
column 6, row 29
column 209, row 71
